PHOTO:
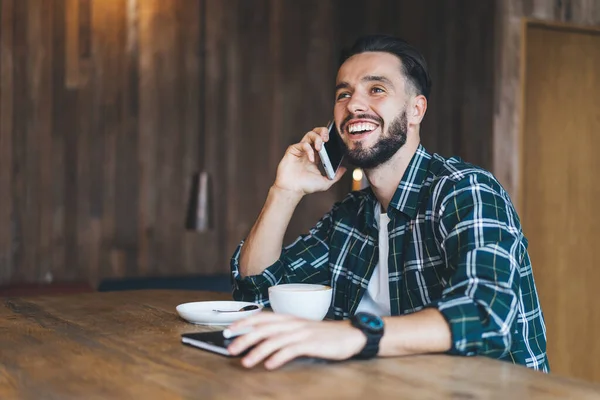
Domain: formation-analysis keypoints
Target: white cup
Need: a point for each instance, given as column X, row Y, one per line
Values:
column 301, row 299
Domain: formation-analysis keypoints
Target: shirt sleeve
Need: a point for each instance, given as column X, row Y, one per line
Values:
column 304, row 261
column 483, row 243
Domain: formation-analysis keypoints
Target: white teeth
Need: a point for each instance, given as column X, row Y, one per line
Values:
column 361, row 126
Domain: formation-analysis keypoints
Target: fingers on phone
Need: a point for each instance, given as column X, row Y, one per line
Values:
column 317, row 134
column 322, row 132
column 318, row 143
column 313, row 139
column 309, row 151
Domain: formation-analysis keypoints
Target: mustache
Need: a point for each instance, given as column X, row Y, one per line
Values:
column 375, row 118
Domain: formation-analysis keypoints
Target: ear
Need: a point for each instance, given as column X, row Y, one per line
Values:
column 417, row 109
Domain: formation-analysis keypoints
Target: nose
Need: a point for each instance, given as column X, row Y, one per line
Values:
column 357, row 104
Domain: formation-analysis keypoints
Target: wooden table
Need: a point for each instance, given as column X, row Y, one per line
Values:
column 126, row 345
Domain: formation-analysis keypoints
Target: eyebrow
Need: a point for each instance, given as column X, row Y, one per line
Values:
column 342, row 85
column 368, row 78
column 376, row 78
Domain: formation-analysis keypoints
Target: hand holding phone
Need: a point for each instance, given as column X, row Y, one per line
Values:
column 332, row 152
column 300, row 170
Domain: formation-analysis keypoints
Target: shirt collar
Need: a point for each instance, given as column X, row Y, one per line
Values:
column 406, row 197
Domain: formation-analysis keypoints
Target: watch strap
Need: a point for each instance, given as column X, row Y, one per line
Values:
column 371, row 347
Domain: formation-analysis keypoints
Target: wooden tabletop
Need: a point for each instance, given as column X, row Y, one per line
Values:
column 126, row 345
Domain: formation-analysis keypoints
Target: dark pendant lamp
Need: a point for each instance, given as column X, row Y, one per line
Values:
column 198, row 211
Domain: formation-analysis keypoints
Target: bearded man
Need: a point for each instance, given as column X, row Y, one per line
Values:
column 430, row 258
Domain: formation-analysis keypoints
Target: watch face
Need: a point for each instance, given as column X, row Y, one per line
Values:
column 371, row 321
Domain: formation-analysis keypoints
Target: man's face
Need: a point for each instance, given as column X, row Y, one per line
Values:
column 370, row 108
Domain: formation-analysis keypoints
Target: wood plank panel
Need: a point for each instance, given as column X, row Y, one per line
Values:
column 148, row 125
column 85, row 35
column 445, row 100
column 6, row 138
column 220, row 111
column 71, row 53
column 66, row 130
column 42, row 95
column 86, row 233
column 25, row 223
column 173, row 81
column 197, row 248
column 231, row 114
column 108, row 46
column 61, row 154
column 162, row 42
column 276, row 145
column 127, row 168
column 251, row 170
column 85, row 41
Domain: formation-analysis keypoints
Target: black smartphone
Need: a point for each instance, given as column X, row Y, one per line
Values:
column 332, row 152
column 213, row 341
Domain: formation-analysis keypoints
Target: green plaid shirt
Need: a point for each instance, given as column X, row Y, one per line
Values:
column 455, row 243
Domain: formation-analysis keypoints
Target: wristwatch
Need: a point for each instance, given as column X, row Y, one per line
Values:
column 372, row 327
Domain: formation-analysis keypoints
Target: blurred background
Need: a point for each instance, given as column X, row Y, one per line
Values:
column 139, row 138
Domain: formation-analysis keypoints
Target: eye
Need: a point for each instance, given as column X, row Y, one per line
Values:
column 342, row 95
column 377, row 89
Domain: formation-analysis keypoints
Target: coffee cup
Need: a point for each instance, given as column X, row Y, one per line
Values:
column 301, row 299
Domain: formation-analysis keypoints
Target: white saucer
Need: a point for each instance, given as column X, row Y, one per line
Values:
column 201, row 312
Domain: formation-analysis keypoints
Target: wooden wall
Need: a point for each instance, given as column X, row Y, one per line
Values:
column 510, row 15
column 107, row 108
column 100, row 129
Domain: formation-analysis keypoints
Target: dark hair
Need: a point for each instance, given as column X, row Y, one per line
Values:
column 414, row 66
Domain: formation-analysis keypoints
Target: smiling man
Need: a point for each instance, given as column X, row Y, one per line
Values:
column 430, row 258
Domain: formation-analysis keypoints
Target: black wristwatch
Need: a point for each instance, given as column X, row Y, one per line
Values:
column 372, row 326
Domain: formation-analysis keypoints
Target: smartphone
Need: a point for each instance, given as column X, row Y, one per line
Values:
column 332, row 151
column 213, row 341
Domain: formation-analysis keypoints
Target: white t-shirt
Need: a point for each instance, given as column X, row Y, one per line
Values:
column 376, row 299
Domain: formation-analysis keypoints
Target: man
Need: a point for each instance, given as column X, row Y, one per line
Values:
column 442, row 234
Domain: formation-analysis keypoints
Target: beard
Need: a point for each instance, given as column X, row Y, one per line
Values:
column 384, row 149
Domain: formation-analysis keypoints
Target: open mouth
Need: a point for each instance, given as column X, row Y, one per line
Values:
column 360, row 129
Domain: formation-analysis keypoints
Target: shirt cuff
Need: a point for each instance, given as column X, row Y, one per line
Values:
column 254, row 288
column 463, row 318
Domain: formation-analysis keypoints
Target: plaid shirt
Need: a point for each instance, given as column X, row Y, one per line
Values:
column 455, row 244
